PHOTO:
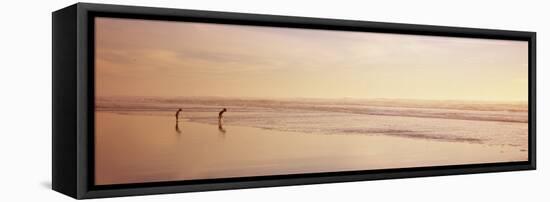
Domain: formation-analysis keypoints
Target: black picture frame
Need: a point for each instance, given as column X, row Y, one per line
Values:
column 73, row 100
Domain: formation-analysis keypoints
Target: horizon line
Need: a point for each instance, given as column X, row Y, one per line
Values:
column 318, row 98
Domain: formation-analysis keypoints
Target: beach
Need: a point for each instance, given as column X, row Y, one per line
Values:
column 299, row 101
column 137, row 140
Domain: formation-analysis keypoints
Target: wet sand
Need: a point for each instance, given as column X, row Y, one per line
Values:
column 140, row 148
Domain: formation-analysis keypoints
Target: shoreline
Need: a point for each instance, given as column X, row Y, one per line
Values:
column 154, row 151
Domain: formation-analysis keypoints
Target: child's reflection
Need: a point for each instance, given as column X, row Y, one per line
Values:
column 178, row 130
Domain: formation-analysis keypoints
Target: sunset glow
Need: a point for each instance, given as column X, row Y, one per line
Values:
column 161, row 58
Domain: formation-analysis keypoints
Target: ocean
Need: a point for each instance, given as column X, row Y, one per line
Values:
column 489, row 123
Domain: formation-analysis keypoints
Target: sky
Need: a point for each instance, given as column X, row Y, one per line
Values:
column 164, row 58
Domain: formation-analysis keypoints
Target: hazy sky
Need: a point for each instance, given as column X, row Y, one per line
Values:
column 161, row 58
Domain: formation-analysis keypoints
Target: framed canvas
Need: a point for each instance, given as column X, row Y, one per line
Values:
column 156, row 100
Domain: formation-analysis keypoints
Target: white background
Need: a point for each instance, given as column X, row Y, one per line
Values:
column 25, row 96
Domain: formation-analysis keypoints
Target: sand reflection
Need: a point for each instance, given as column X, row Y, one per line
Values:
column 152, row 152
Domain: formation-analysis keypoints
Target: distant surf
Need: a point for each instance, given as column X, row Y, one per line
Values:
column 457, row 121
